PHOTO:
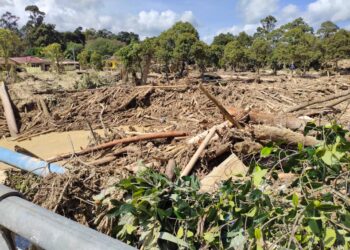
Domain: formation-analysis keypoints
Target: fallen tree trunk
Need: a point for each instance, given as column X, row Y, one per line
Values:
column 284, row 135
column 110, row 144
column 9, row 115
column 280, row 120
column 231, row 167
column 319, row 100
column 223, row 110
column 201, row 148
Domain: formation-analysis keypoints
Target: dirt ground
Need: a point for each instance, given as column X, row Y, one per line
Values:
column 85, row 118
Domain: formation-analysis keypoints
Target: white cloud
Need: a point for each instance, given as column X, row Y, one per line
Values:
column 333, row 10
column 254, row 10
column 151, row 23
column 69, row 14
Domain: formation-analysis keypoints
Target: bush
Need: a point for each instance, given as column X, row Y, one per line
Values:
column 247, row 213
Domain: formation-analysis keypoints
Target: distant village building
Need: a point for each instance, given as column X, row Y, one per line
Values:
column 32, row 63
column 10, row 62
column 70, row 65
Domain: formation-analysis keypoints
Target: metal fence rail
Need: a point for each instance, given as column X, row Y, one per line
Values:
column 46, row 229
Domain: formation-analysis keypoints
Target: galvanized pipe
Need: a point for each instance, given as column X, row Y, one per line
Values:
column 49, row 230
column 30, row 164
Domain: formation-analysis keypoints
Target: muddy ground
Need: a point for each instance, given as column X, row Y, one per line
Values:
column 116, row 111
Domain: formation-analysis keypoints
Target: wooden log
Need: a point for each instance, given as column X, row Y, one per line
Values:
column 8, row 111
column 44, row 107
column 197, row 138
column 223, row 110
column 229, row 168
column 151, row 136
column 268, row 133
column 195, row 157
column 170, row 169
column 279, row 120
column 318, row 100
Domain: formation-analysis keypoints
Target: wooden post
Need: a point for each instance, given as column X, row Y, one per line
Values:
column 9, row 115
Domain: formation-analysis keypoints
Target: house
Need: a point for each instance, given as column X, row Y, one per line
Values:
column 10, row 62
column 32, row 63
column 69, row 65
column 112, row 63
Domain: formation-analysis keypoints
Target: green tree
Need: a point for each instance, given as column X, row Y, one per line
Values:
column 200, row 51
column 137, row 57
column 128, row 37
column 234, row 55
column 223, row 39
column 182, row 51
column 216, row 54
column 84, row 58
column 9, row 21
column 104, row 46
column 268, row 24
column 335, row 48
column 54, row 53
column 9, row 42
column 73, row 50
column 327, row 29
column 259, row 53
column 279, row 57
column 96, row 60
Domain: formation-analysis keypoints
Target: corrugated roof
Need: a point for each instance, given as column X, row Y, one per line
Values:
column 10, row 61
column 30, row 59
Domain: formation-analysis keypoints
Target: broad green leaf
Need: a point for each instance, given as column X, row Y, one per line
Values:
column 265, row 152
column 169, row 237
column 328, row 207
column 252, row 212
column 295, row 200
column 129, row 228
column 189, row 234
column 314, row 226
column 258, row 175
column 209, row 237
column 180, row 233
column 330, row 237
column 257, row 233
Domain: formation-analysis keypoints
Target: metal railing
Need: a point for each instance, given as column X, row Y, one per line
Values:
column 46, row 229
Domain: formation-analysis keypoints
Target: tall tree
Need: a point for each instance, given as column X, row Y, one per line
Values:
column 200, row 52
column 128, row 37
column 235, row 55
column 104, row 46
column 268, row 24
column 223, row 39
column 36, row 16
column 9, row 21
column 54, row 53
column 9, row 42
column 327, row 29
column 259, row 53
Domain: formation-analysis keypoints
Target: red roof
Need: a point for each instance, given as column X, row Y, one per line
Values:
column 29, row 59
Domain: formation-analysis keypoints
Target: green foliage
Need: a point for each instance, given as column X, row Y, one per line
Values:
column 104, row 46
column 9, row 43
column 55, row 54
column 73, row 50
column 200, row 51
column 96, row 60
column 88, row 81
column 223, row 39
column 250, row 213
column 235, row 55
column 259, row 52
column 84, row 58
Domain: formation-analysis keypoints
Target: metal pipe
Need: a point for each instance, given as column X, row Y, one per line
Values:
column 49, row 230
column 30, row 164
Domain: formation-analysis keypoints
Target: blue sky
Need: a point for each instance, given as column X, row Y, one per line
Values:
column 150, row 17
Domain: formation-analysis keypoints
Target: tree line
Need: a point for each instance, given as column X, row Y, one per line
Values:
column 295, row 45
